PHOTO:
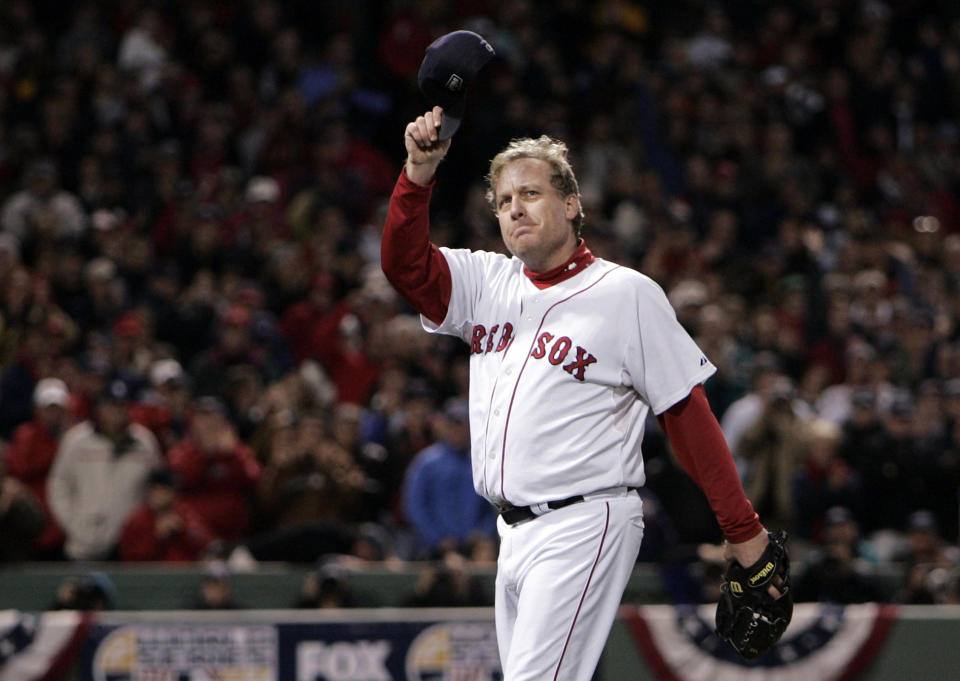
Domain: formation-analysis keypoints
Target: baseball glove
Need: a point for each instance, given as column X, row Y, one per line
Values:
column 749, row 618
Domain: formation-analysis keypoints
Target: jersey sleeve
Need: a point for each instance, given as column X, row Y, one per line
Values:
column 700, row 447
column 412, row 264
column 662, row 360
column 472, row 275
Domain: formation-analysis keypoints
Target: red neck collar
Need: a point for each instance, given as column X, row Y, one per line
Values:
column 574, row 265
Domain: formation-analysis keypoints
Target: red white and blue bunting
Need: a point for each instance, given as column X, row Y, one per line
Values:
column 40, row 646
column 824, row 642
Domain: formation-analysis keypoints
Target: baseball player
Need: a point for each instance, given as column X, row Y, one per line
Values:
column 568, row 354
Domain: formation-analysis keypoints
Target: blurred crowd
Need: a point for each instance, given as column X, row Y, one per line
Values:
column 199, row 354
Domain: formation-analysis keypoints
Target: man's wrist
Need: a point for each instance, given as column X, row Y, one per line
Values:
column 421, row 173
column 749, row 551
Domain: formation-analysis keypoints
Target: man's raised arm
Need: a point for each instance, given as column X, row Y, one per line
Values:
column 414, row 266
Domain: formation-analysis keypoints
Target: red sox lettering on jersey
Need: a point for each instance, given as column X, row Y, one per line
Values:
column 576, row 346
column 494, row 343
column 556, row 348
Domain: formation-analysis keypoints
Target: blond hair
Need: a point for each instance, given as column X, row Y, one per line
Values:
column 545, row 149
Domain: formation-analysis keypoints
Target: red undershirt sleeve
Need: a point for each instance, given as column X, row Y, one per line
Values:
column 412, row 264
column 700, row 446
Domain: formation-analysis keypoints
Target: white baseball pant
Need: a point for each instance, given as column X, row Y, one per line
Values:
column 560, row 578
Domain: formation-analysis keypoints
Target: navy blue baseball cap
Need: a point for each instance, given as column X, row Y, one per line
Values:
column 451, row 63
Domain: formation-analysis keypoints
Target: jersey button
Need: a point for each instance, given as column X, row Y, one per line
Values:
column 492, row 454
column 508, row 371
column 496, row 412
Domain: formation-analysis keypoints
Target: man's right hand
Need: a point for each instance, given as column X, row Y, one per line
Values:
column 424, row 150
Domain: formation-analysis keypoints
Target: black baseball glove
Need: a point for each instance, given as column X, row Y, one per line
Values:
column 749, row 618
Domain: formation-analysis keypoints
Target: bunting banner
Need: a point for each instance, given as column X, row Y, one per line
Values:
column 824, row 642
column 40, row 646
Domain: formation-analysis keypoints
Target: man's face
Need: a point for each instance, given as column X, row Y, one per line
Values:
column 52, row 415
column 535, row 220
column 206, row 424
column 161, row 497
column 235, row 337
column 112, row 416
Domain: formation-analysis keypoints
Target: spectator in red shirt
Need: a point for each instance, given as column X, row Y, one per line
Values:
column 32, row 450
column 165, row 409
column 313, row 320
column 217, row 471
column 163, row 528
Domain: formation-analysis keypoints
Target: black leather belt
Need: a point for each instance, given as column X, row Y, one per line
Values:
column 515, row 514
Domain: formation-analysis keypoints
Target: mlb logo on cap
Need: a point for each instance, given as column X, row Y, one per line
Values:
column 451, row 63
column 454, row 83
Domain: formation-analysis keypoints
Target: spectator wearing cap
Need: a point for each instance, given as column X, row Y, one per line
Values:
column 259, row 223
column 108, row 236
column 105, row 294
column 765, row 371
column 339, row 341
column 913, row 342
column 770, row 452
column 869, row 446
column 937, row 464
column 837, row 570
column 235, row 346
column 373, row 459
column 93, row 374
column 863, row 370
column 906, row 464
column 402, row 420
column 99, row 475
column 344, row 339
column 129, row 339
column 165, row 408
column 32, row 450
column 439, row 500
column 201, row 239
column 312, row 320
column 260, row 302
column 218, row 473
column 34, row 333
column 823, row 480
column 831, row 337
column 163, row 528
column 216, row 590
column 714, row 324
column 926, row 555
column 42, row 209
column 326, row 587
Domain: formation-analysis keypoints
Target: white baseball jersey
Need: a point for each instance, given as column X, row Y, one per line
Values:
column 562, row 379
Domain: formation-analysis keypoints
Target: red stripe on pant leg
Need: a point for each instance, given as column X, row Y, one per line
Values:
column 603, row 537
